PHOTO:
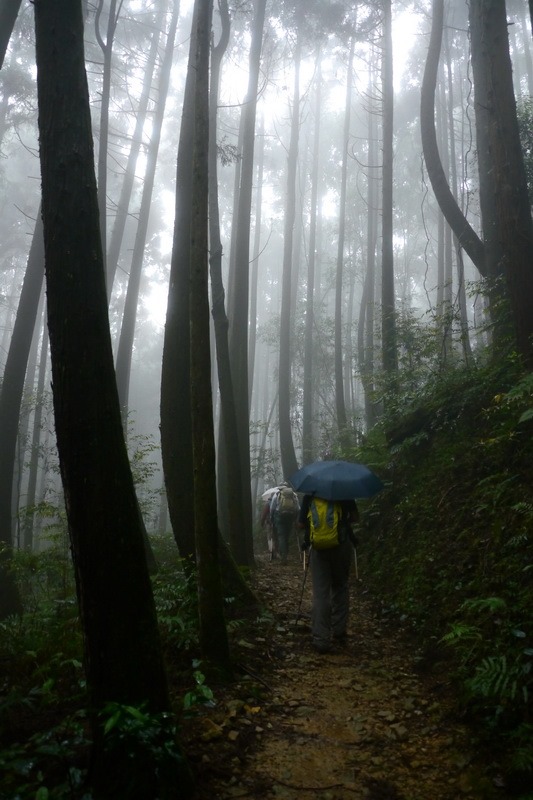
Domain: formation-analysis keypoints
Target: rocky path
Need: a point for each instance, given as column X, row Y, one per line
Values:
column 361, row 722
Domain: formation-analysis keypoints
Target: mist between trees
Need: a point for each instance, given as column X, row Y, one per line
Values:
column 360, row 208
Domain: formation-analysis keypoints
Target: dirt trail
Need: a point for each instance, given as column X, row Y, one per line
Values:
column 361, row 722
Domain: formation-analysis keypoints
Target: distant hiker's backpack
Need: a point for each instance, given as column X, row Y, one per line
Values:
column 324, row 523
column 288, row 503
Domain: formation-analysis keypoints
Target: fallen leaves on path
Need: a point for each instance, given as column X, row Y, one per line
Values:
column 361, row 722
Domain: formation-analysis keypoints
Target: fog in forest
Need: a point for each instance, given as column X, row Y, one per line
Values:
column 316, row 211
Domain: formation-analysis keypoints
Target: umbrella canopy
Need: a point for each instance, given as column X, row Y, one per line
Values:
column 336, row 480
column 267, row 494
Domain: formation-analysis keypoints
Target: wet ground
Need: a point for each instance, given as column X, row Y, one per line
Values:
column 361, row 722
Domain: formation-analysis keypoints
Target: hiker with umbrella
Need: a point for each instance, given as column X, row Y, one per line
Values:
column 327, row 515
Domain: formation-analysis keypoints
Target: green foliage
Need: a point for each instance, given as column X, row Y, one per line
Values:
column 137, row 732
column 201, row 694
column 49, row 764
column 448, row 546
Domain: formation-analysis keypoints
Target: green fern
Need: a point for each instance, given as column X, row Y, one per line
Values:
column 497, row 679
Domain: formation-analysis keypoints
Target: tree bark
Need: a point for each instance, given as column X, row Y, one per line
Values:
column 123, row 658
column 232, row 500
column 388, row 309
column 466, row 236
column 9, row 10
column 504, row 201
column 289, row 463
column 10, row 404
column 176, row 430
column 308, row 447
column 240, row 275
column 213, row 636
column 340, row 402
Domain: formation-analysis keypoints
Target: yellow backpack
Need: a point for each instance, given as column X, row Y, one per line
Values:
column 324, row 519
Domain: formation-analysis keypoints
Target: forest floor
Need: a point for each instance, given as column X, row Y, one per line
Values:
column 365, row 721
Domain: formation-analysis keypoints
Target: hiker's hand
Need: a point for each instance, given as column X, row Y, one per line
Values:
column 304, row 546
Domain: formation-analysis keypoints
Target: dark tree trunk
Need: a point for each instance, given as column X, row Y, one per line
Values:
column 339, row 351
column 289, row 463
column 388, row 306
column 10, row 403
column 107, row 51
column 213, row 637
column 9, row 10
column 504, row 201
column 127, row 331
column 232, row 500
column 466, row 236
column 35, row 440
column 239, row 277
column 308, row 447
column 123, row 657
column 123, row 204
column 176, row 432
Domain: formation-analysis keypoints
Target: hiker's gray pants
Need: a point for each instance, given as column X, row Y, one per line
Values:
column 331, row 572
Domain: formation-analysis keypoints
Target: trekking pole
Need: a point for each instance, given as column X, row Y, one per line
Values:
column 355, row 559
column 306, row 569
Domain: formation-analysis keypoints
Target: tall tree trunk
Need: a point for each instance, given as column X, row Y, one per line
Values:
column 122, row 208
column 388, row 310
column 308, row 446
column 340, row 403
column 365, row 333
column 461, row 290
column 123, row 656
column 213, row 637
column 176, row 432
column 504, row 201
column 288, row 455
column 127, row 332
column 36, row 438
column 10, row 405
column 233, row 501
column 107, row 52
column 239, row 277
column 466, row 236
column 252, row 339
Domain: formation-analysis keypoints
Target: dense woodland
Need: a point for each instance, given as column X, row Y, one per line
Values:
column 237, row 238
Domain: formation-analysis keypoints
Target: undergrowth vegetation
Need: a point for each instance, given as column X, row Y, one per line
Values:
column 44, row 719
column 448, row 547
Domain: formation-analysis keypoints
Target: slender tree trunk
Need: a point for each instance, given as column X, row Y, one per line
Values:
column 504, row 200
column 461, row 290
column 308, row 447
column 176, row 432
column 239, row 277
column 107, row 52
column 213, row 637
column 122, row 208
column 10, row 405
column 366, row 317
column 388, row 310
column 36, row 438
column 340, row 403
column 123, row 656
column 255, row 258
column 127, row 332
column 466, row 236
column 288, row 455
column 235, row 510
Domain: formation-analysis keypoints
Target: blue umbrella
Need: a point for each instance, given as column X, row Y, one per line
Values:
column 336, row 480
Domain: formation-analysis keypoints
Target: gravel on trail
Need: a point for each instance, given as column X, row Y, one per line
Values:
column 363, row 722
